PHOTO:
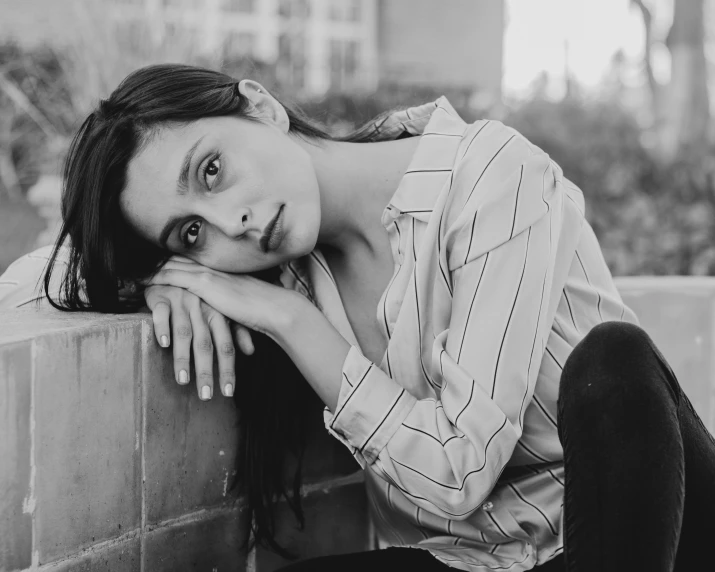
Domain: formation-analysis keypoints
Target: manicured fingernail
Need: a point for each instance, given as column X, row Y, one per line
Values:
column 228, row 390
column 205, row 392
column 164, row 342
column 183, row 377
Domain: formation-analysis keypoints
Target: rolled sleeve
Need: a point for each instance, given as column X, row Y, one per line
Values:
column 371, row 407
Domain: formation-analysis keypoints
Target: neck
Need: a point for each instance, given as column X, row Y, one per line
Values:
column 356, row 182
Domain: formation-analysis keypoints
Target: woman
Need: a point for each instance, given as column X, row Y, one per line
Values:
column 437, row 286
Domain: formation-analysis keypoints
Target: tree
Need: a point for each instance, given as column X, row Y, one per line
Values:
column 687, row 111
column 680, row 110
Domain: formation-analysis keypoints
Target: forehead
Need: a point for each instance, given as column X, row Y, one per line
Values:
column 163, row 149
column 160, row 155
column 149, row 196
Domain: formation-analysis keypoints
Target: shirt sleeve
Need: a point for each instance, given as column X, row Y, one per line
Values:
column 509, row 249
column 22, row 283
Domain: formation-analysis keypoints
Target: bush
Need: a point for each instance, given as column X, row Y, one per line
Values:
column 650, row 218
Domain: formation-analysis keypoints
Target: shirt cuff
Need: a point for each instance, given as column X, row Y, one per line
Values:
column 371, row 407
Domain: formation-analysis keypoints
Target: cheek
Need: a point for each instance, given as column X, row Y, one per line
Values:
column 223, row 254
column 289, row 167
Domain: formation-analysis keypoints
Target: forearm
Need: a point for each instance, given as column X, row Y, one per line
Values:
column 317, row 349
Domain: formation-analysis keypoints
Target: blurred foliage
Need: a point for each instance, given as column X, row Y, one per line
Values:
column 650, row 219
column 35, row 111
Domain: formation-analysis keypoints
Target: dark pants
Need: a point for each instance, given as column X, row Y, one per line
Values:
column 638, row 462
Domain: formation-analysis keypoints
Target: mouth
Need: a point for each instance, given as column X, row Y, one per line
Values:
column 273, row 232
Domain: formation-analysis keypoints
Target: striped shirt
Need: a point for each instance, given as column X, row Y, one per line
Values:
column 497, row 277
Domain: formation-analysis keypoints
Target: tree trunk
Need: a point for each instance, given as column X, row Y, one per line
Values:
column 686, row 103
column 653, row 86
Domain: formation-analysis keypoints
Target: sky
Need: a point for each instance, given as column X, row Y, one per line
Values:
column 583, row 35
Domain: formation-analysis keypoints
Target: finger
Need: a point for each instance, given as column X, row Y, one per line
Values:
column 175, row 276
column 243, row 339
column 185, row 266
column 203, row 352
column 181, row 335
column 179, row 258
column 225, row 352
column 160, row 315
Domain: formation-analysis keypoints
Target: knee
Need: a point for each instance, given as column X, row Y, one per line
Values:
column 608, row 348
column 610, row 360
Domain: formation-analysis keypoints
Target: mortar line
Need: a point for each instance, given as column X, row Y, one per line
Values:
column 251, row 556
column 251, row 560
column 333, row 483
column 32, row 500
column 142, row 429
column 197, row 515
column 97, row 547
column 240, row 502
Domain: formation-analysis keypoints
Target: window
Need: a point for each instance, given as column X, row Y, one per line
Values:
column 240, row 44
column 243, row 6
column 171, row 30
column 344, row 63
column 294, row 8
column 353, row 10
column 183, row 3
column 344, row 10
column 290, row 67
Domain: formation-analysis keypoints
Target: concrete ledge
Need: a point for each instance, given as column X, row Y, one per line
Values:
column 108, row 464
column 679, row 314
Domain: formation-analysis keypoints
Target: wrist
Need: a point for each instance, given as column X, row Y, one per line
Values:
column 313, row 344
column 292, row 310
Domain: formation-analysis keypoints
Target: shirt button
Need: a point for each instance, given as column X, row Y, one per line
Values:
column 488, row 506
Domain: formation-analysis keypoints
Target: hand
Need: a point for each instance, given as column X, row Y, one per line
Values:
column 192, row 320
column 254, row 303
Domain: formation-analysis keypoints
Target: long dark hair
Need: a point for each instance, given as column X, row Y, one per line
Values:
column 106, row 255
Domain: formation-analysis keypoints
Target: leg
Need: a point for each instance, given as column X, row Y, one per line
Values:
column 694, row 550
column 618, row 417
column 387, row 560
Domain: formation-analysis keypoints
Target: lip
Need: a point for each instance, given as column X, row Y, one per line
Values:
column 268, row 233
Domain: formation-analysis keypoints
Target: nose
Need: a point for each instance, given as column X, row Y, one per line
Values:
column 234, row 223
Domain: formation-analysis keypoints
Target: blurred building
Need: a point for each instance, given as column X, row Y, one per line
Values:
column 316, row 45
column 455, row 44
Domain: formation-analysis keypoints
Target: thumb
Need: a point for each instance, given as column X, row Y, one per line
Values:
column 243, row 338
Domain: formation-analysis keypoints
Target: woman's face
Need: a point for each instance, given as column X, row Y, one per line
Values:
column 208, row 189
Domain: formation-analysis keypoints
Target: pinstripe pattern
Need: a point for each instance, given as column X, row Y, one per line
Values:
column 498, row 276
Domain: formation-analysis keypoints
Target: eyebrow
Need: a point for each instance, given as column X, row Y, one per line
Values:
column 182, row 186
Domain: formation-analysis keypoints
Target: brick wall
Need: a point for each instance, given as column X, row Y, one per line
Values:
column 107, row 464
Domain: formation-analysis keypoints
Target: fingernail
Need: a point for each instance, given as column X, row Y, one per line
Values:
column 205, row 392
column 228, row 390
column 183, row 377
column 164, row 342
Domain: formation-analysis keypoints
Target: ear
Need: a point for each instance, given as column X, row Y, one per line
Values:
column 267, row 108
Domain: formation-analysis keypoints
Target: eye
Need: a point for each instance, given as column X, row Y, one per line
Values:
column 211, row 171
column 191, row 234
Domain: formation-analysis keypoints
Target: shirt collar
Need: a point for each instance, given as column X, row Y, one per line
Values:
column 430, row 168
column 431, row 165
